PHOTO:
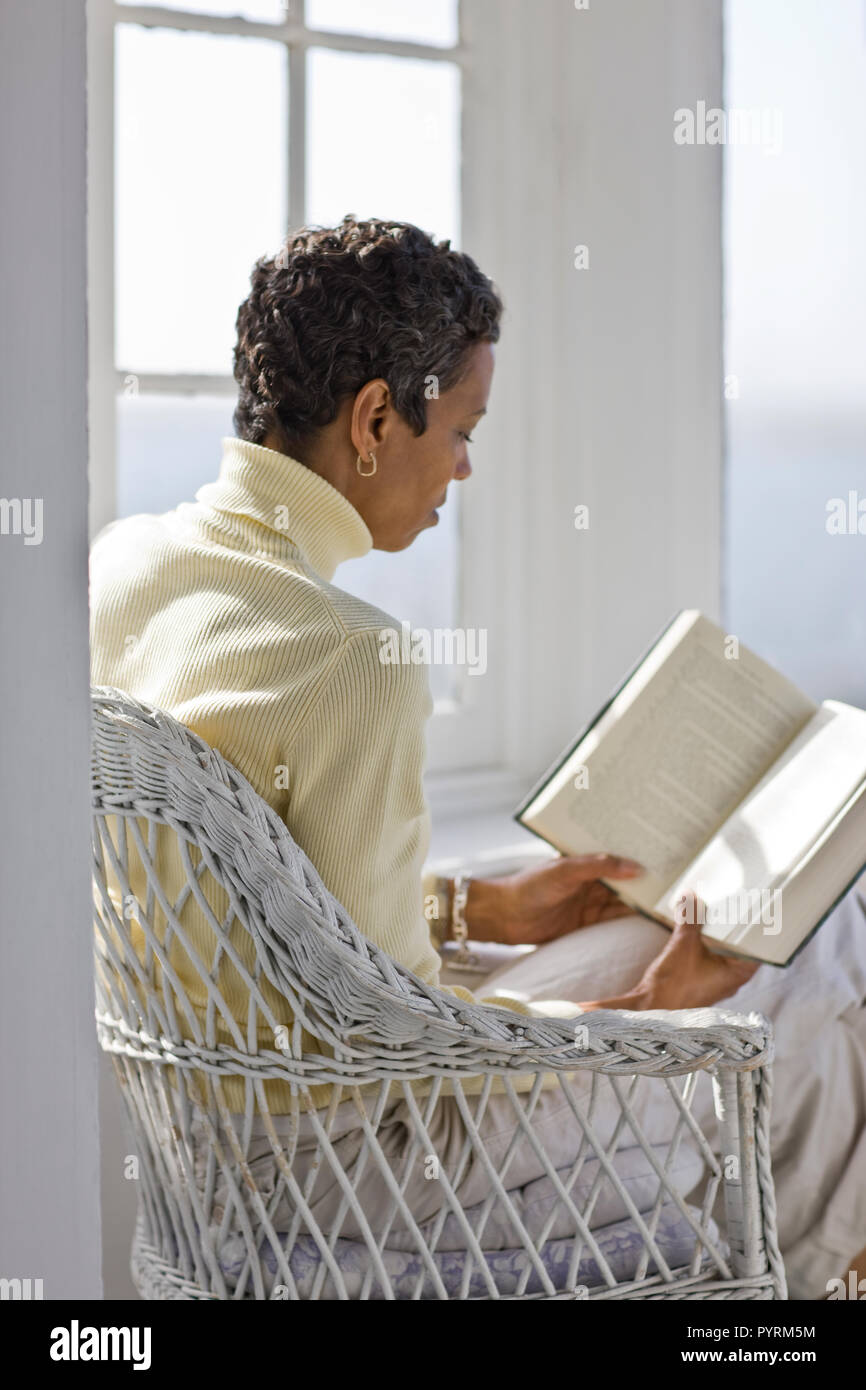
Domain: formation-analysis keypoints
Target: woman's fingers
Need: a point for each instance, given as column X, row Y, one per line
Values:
column 584, row 867
column 614, row 909
column 730, row 971
column 688, row 974
column 690, row 911
column 560, row 895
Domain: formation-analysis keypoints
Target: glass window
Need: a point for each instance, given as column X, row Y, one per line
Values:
column 201, row 189
column 795, row 289
column 419, row 21
column 167, row 447
column 271, row 11
column 365, row 158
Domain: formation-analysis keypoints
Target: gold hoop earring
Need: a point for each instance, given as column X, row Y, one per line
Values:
column 364, row 472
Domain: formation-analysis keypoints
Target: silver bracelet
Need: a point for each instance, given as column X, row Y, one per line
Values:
column 463, row 958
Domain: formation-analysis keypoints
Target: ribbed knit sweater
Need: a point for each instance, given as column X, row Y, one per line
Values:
column 222, row 612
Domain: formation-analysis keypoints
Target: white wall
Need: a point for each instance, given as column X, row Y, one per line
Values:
column 609, row 379
column 49, row 1172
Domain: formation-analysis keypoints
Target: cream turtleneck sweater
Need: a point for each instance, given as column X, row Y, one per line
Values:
column 223, row 613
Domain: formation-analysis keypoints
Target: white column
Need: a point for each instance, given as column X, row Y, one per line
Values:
column 49, row 1169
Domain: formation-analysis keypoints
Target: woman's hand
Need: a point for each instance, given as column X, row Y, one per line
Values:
column 687, row 974
column 539, row 904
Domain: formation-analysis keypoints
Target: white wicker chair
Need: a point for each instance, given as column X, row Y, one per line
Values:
column 382, row 1029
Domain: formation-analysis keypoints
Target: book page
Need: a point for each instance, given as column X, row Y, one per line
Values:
column 772, row 832
column 676, row 751
column 833, row 866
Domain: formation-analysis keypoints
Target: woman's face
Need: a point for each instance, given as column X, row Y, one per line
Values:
column 413, row 471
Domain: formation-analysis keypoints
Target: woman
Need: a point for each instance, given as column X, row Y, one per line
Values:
column 224, row 613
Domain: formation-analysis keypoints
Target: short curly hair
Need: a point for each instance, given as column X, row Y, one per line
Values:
column 337, row 307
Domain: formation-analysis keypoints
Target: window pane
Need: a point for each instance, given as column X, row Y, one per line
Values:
column 167, row 448
column 271, row 11
column 383, row 140
column 201, row 163
column 420, row 21
column 795, row 366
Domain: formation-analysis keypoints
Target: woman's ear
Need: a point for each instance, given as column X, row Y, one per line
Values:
column 369, row 415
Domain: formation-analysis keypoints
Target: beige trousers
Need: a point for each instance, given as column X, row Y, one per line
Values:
column 419, row 1161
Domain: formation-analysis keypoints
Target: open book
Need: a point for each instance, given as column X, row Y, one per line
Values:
column 718, row 775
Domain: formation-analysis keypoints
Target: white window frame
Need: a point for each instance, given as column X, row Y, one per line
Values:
column 542, row 168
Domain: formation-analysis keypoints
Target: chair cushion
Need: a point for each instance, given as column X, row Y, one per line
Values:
column 534, row 1202
column 612, row 1225
column 620, row 1243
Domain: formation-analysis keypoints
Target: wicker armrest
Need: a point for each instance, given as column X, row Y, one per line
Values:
column 655, row 1043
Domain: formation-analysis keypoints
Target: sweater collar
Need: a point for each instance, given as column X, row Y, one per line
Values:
column 297, row 506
